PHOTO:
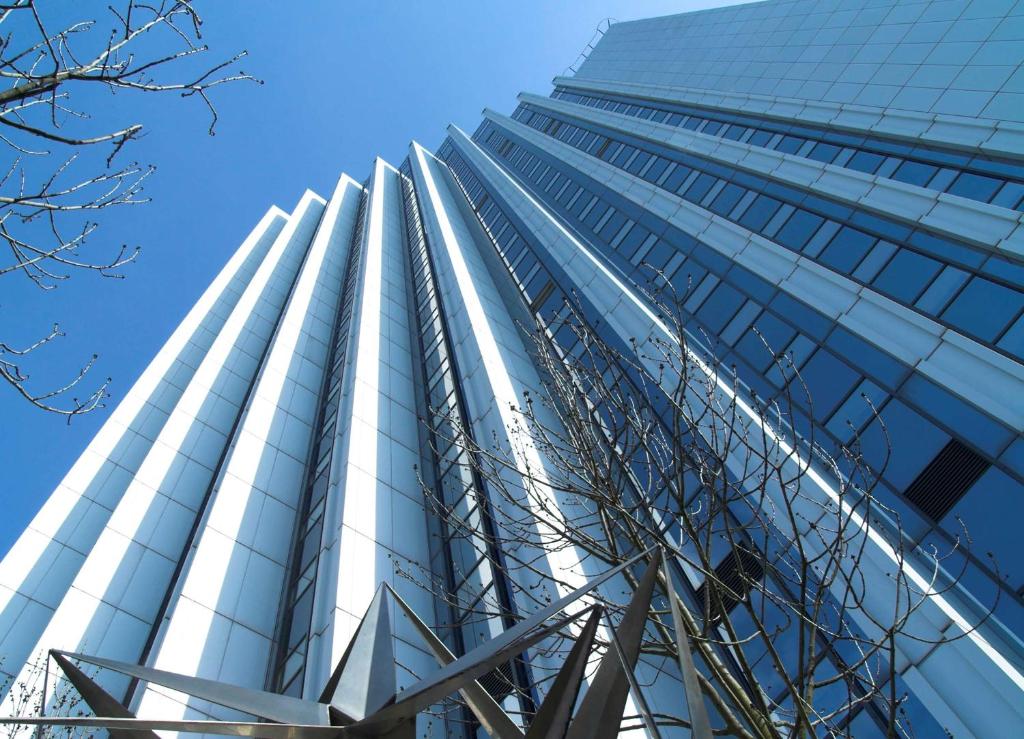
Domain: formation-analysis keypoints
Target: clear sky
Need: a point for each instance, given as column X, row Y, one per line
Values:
column 344, row 82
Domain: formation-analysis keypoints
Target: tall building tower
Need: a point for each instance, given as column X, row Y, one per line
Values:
column 842, row 180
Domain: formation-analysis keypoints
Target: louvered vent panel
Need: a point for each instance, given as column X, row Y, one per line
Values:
column 945, row 480
column 736, row 572
column 499, row 682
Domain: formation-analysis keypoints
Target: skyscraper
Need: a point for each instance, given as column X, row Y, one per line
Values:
column 843, row 181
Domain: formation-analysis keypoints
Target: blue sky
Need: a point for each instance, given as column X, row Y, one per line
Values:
column 344, row 82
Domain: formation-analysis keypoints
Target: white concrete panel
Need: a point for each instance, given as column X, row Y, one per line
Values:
column 81, row 504
column 232, row 571
column 158, row 519
column 362, row 545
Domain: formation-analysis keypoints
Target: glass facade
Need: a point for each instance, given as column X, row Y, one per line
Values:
column 850, row 254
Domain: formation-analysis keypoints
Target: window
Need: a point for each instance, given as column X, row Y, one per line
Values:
column 865, row 161
column 974, row 186
column 907, row 275
column 828, row 381
column 727, row 199
column 759, row 213
column 913, row 442
column 720, row 307
column 799, row 229
column 984, row 308
column 823, row 152
column 846, row 249
column 700, row 188
column 914, row 173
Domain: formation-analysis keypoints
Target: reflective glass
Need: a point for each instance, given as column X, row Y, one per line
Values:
column 984, row 308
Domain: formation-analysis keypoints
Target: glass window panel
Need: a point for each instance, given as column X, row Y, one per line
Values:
column 799, row 229
column 913, row 442
column 678, row 176
column 790, row 144
column 700, row 187
column 300, row 617
column 760, row 138
column 759, row 213
column 941, row 290
column 656, row 170
column 865, row 161
column 984, row 308
column 828, row 382
column 638, row 163
column 963, row 419
column 846, row 249
column 876, row 363
column 1013, row 340
column 1010, row 196
column 856, row 410
column 974, row 186
column 740, row 322
column 993, row 508
column 914, row 173
column 823, row 152
column 776, row 334
column 727, row 199
column 874, row 261
column 720, row 307
column 907, row 275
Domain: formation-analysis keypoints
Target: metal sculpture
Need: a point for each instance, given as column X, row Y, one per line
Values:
column 361, row 700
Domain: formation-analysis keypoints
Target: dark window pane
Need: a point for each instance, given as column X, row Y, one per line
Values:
column 958, row 416
column 798, row 229
column 992, row 510
column 974, row 186
column 727, row 199
column 774, row 333
column 846, row 249
column 823, row 152
column 984, row 308
column 700, row 188
column 828, row 381
column 1010, row 196
column 759, row 213
column 913, row 442
column 678, row 176
column 879, row 365
column 907, row 275
column 865, row 161
column 720, row 306
column 790, row 144
column 914, row 173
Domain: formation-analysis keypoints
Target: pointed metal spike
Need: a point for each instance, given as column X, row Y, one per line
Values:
column 552, row 719
column 454, row 676
column 364, row 679
column 102, row 703
column 450, row 675
column 601, row 710
column 700, row 725
column 488, row 712
column 280, row 708
column 228, row 728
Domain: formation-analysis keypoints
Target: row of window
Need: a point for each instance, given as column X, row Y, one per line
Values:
column 297, row 616
column 976, row 177
column 908, row 265
column 477, row 592
column 728, row 302
column 510, row 244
